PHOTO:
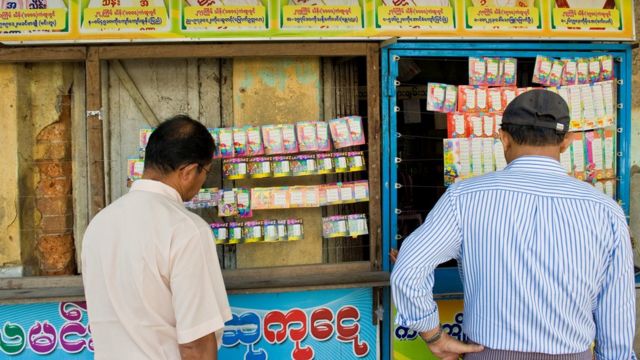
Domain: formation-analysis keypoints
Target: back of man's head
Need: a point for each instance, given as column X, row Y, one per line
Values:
column 537, row 118
column 533, row 136
column 178, row 141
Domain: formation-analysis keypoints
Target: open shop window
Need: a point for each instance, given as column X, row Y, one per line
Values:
column 420, row 134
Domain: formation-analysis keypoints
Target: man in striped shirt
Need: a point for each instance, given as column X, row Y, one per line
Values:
column 545, row 259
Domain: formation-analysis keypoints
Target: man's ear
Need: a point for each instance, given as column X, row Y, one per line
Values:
column 187, row 173
column 505, row 138
column 564, row 145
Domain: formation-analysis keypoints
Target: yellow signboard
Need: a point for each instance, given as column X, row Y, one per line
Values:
column 126, row 18
column 321, row 17
column 586, row 18
column 407, row 344
column 416, row 17
column 149, row 20
column 497, row 17
column 224, row 17
column 29, row 20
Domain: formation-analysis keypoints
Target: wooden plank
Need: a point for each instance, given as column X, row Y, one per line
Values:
column 339, row 76
column 208, row 93
column 301, row 277
column 117, row 155
column 226, row 120
column 226, row 92
column 79, row 156
column 296, row 271
column 40, row 287
column 328, row 113
column 106, row 131
column 162, row 85
column 361, row 280
column 161, row 51
column 373, row 284
column 289, row 278
column 94, row 134
column 374, row 141
column 328, row 90
column 147, row 113
column 42, row 54
column 193, row 89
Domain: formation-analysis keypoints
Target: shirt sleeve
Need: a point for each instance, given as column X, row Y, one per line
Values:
column 436, row 241
column 615, row 308
column 197, row 287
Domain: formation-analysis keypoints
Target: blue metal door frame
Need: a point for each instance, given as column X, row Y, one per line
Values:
column 447, row 280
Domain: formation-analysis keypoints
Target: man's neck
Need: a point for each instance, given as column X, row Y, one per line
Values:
column 523, row 151
column 169, row 180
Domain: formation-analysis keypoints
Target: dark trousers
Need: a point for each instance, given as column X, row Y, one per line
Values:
column 491, row 354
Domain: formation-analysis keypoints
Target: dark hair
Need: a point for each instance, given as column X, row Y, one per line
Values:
column 533, row 135
column 178, row 141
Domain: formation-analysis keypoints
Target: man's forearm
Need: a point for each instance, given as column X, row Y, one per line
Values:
column 204, row 348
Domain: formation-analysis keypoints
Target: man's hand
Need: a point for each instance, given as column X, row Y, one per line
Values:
column 448, row 348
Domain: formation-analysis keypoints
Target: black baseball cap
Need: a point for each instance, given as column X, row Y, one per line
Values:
column 538, row 108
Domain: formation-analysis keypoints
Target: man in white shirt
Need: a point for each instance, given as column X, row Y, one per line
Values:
column 152, row 281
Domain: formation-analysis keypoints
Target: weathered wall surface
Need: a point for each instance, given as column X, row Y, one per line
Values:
column 36, row 215
column 279, row 91
column 9, row 220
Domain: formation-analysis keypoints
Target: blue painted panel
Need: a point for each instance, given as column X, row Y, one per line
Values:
column 324, row 324
column 624, row 133
column 385, row 350
column 447, row 281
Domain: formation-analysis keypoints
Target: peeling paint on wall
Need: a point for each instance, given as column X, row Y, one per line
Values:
column 9, row 210
column 277, row 91
column 31, row 103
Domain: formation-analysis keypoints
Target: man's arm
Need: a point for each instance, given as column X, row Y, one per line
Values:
column 198, row 295
column 205, row 348
column 615, row 310
column 436, row 241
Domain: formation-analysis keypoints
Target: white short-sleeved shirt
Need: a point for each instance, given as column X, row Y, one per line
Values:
column 151, row 276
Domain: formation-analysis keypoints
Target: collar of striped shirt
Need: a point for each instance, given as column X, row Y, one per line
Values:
column 537, row 163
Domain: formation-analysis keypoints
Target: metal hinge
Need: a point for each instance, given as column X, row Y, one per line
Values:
column 97, row 113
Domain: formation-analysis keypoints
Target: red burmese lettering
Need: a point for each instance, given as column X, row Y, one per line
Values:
column 274, row 336
column 322, row 324
column 349, row 333
column 293, row 317
column 277, row 326
column 302, row 352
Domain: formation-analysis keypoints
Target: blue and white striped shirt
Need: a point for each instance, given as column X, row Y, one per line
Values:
column 545, row 260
